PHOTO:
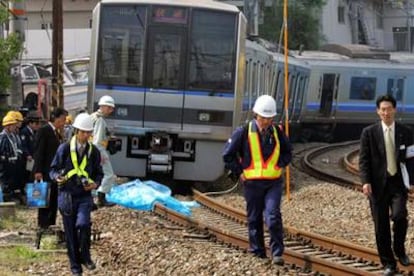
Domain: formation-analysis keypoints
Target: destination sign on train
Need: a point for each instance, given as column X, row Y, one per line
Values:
column 169, row 14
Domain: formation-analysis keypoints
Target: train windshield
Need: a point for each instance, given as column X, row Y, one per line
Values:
column 212, row 51
column 166, row 47
column 121, row 45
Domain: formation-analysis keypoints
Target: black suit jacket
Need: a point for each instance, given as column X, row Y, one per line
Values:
column 27, row 137
column 46, row 144
column 373, row 160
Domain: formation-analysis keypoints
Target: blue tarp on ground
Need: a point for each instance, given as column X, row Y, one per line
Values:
column 143, row 195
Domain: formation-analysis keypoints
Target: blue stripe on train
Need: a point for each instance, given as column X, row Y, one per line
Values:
column 345, row 107
column 165, row 91
column 359, row 107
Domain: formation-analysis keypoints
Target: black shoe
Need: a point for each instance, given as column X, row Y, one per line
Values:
column 389, row 271
column 278, row 260
column 260, row 255
column 76, row 273
column 404, row 260
column 102, row 202
column 90, row 265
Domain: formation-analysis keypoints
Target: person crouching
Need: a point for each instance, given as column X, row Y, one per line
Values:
column 77, row 170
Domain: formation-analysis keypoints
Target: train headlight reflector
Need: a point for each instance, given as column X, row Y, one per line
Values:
column 204, row 117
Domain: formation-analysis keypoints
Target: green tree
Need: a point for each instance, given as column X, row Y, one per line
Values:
column 303, row 23
column 10, row 48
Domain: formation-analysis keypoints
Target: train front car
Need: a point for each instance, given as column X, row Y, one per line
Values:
column 175, row 71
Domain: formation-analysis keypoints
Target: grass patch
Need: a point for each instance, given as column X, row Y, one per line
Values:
column 15, row 258
column 23, row 217
column 11, row 223
column 19, row 254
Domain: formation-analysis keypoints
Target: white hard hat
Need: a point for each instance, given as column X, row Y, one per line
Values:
column 265, row 106
column 106, row 100
column 83, row 122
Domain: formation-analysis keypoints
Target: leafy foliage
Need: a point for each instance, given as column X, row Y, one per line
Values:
column 303, row 23
column 10, row 48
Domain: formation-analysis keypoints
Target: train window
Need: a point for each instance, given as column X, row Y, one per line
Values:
column 121, row 45
column 395, row 87
column 300, row 90
column 269, row 79
column 212, row 50
column 167, row 49
column 254, row 80
column 363, row 88
column 276, row 83
column 261, row 80
column 280, row 93
column 247, row 79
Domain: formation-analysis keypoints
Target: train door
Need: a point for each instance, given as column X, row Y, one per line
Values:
column 395, row 87
column 164, row 97
column 329, row 87
column 297, row 102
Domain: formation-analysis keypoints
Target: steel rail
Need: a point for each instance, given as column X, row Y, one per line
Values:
column 303, row 260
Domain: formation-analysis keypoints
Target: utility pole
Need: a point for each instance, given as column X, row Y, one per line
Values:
column 57, row 56
column 251, row 10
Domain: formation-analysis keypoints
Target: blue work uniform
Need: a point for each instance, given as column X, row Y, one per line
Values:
column 262, row 195
column 74, row 203
column 10, row 154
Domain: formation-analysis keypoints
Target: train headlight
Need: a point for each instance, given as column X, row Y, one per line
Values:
column 204, row 117
column 122, row 111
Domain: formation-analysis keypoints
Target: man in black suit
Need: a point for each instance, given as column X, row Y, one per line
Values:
column 27, row 136
column 383, row 149
column 47, row 140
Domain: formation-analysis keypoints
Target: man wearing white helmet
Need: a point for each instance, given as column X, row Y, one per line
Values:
column 77, row 170
column 100, row 140
column 256, row 155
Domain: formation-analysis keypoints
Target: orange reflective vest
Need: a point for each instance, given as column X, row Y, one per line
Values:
column 258, row 168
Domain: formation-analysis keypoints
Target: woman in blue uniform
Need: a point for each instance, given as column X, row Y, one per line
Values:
column 256, row 155
column 77, row 170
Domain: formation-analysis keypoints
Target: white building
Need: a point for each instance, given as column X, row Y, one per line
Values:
column 77, row 20
column 380, row 23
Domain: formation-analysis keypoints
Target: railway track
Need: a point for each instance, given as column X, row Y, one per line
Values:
column 323, row 163
column 307, row 251
column 320, row 163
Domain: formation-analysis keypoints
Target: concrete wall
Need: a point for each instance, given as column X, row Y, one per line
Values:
column 76, row 43
column 334, row 31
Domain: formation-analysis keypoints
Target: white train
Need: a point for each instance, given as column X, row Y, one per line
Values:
column 176, row 72
column 183, row 76
column 343, row 89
